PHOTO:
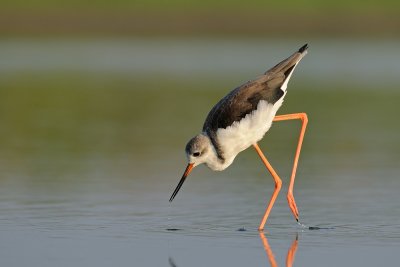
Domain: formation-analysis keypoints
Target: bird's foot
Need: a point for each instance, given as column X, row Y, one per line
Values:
column 292, row 205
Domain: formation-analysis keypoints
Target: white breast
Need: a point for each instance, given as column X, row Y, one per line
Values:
column 249, row 130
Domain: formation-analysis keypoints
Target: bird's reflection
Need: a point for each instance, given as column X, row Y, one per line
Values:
column 290, row 255
column 289, row 258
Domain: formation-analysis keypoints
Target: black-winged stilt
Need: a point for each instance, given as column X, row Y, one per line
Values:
column 240, row 120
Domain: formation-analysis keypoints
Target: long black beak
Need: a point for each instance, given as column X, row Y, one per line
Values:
column 185, row 174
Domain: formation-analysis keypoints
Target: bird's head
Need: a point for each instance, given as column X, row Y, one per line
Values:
column 198, row 150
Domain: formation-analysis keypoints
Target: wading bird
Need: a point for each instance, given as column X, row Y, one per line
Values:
column 240, row 120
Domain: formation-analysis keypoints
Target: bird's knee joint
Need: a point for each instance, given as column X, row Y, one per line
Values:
column 278, row 184
column 304, row 118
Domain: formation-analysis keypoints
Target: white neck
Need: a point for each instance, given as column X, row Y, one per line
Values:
column 216, row 164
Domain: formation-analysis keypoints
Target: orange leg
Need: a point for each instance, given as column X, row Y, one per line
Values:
column 278, row 181
column 278, row 185
column 304, row 120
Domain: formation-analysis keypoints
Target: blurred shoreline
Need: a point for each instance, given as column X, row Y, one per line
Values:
column 334, row 61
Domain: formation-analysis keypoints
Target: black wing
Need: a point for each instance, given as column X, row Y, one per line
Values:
column 245, row 98
column 238, row 103
column 242, row 101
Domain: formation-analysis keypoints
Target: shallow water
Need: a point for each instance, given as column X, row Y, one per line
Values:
column 366, row 62
column 88, row 164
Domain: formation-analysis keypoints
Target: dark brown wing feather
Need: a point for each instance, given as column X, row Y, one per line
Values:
column 245, row 98
column 242, row 101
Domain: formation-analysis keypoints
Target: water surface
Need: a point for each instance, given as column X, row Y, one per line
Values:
column 88, row 163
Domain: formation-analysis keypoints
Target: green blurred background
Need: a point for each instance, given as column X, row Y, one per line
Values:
column 129, row 81
column 253, row 18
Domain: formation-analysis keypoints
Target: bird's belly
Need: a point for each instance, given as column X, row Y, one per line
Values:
column 249, row 130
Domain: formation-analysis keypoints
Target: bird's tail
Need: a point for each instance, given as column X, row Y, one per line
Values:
column 288, row 65
column 290, row 62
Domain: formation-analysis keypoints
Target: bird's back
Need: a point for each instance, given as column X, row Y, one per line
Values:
column 252, row 104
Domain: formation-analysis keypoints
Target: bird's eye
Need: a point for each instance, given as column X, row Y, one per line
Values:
column 196, row 154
